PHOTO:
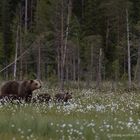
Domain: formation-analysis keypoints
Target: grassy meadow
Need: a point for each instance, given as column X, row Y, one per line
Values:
column 90, row 115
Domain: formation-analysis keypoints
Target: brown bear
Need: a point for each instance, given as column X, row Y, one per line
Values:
column 23, row 88
column 63, row 97
column 42, row 98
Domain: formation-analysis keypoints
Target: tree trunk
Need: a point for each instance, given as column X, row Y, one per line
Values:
column 78, row 67
column 91, row 64
column 16, row 52
column 99, row 78
column 74, row 68
column 58, row 64
column 26, row 15
column 67, row 68
column 137, row 71
column 67, row 29
column 20, row 46
column 107, row 34
column 128, row 51
column 39, row 62
column 38, row 44
column 62, row 44
column 25, row 33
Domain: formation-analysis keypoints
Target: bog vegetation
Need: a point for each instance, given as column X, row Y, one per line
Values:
column 89, row 115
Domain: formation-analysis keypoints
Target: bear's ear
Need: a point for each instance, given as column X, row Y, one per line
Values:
column 31, row 81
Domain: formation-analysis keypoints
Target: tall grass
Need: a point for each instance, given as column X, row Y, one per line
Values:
column 90, row 115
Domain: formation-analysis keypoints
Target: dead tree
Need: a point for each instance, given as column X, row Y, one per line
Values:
column 20, row 45
column 99, row 78
column 128, row 51
column 64, row 40
column 62, row 45
column 16, row 52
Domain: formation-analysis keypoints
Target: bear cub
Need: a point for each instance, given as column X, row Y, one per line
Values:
column 63, row 97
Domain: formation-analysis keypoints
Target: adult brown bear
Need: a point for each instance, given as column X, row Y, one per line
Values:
column 22, row 89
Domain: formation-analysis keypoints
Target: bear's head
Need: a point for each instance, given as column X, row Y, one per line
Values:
column 67, row 96
column 35, row 84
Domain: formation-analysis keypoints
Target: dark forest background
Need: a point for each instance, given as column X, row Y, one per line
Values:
column 70, row 40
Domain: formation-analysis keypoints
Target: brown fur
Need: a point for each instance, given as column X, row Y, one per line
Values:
column 63, row 97
column 10, row 87
column 22, row 89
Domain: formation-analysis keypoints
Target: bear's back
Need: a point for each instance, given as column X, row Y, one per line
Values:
column 10, row 87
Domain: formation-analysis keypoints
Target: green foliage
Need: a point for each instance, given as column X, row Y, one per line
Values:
column 42, row 16
column 93, row 23
column 6, row 29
